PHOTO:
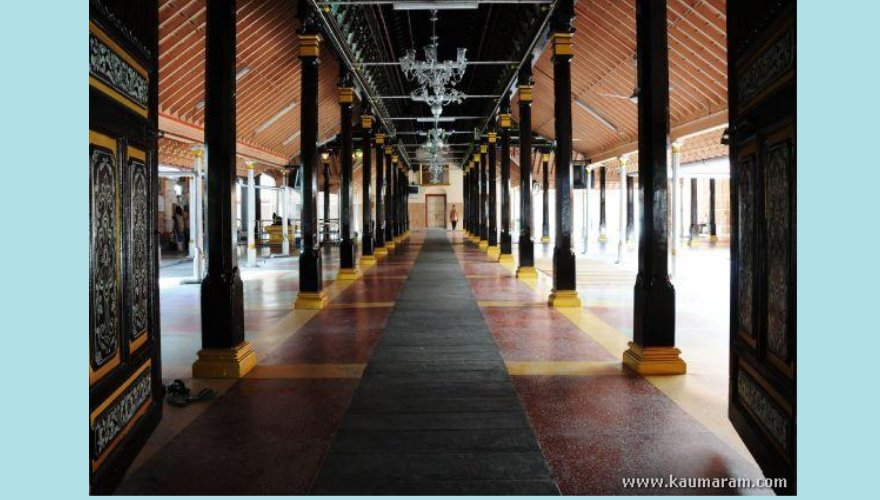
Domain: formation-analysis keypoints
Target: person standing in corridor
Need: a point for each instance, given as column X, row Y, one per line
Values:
column 453, row 217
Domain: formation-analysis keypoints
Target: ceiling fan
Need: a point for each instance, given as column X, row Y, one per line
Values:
column 634, row 97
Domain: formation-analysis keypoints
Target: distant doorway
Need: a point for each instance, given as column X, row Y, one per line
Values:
column 435, row 210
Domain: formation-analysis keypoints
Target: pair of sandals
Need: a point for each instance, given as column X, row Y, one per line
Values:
column 178, row 394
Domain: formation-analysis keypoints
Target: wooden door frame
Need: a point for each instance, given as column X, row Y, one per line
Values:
column 438, row 195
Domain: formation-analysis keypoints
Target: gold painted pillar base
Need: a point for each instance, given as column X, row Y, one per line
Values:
column 603, row 238
column 310, row 300
column 493, row 252
column 234, row 362
column 694, row 243
column 368, row 261
column 380, row 252
column 526, row 273
column 713, row 239
column 398, row 239
column 564, row 298
column 506, row 259
column 348, row 274
column 390, row 245
column 484, row 244
column 654, row 360
column 474, row 238
column 545, row 239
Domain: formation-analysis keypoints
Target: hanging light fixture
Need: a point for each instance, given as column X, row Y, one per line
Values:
column 435, row 79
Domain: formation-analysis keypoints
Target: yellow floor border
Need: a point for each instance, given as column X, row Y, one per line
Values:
column 564, row 368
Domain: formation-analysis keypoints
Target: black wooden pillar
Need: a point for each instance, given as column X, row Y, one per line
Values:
column 258, row 207
column 603, row 235
column 225, row 352
column 506, row 243
column 652, row 350
column 380, row 249
column 394, row 199
column 545, row 197
column 526, row 250
column 465, row 213
column 404, row 201
column 492, row 202
column 347, row 246
column 564, row 293
column 475, row 194
column 367, row 238
column 484, row 197
column 695, row 213
column 325, row 162
column 630, row 216
column 480, row 220
column 311, row 282
column 401, row 210
column 389, row 198
column 713, row 231
column 472, row 197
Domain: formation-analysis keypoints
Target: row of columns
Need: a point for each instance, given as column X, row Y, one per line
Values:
column 652, row 350
column 225, row 352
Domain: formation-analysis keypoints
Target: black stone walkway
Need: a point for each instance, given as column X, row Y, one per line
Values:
column 435, row 412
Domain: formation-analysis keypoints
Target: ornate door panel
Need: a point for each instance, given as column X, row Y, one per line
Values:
column 125, row 389
column 763, row 337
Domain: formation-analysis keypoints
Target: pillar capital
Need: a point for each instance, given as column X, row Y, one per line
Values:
column 476, row 158
column 198, row 150
column 493, row 137
column 249, row 165
column 380, row 138
column 367, row 121
column 309, row 44
column 525, row 93
column 346, row 95
column 545, row 157
column 484, row 149
column 676, row 146
column 395, row 159
column 562, row 44
column 504, row 120
column 389, row 149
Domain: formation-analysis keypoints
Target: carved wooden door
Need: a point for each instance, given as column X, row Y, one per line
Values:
column 763, row 337
column 125, row 390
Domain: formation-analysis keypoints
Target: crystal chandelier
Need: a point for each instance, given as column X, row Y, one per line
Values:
column 434, row 78
column 432, row 152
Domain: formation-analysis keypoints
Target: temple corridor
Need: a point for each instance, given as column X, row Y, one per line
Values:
column 442, row 246
column 391, row 390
